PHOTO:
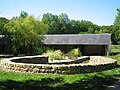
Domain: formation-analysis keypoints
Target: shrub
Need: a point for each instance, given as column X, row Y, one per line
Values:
column 74, row 53
column 58, row 55
column 54, row 55
column 41, row 49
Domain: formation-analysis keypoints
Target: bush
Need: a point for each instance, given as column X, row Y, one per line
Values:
column 54, row 55
column 58, row 55
column 41, row 49
column 74, row 53
column 25, row 33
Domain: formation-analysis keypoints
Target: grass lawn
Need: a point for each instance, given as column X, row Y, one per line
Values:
column 115, row 49
column 91, row 81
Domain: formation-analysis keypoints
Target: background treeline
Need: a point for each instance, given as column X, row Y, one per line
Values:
column 61, row 24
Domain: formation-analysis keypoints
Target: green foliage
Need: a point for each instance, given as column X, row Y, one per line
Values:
column 23, row 14
column 38, row 50
column 25, row 33
column 116, row 28
column 3, row 22
column 63, row 25
column 74, row 53
column 117, row 18
column 90, row 81
column 105, row 29
column 41, row 49
column 115, row 34
column 57, row 24
column 116, row 57
column 91, row 30
column 58, row 55
column 115, row 49
column 54, row 55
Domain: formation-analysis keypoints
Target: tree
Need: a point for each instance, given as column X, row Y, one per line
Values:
column 91, row 30
column 73, row 27
column 47, row 18
column 57, row 24
column 86, row 26
column 116, row 28
column 23, row 14
column 3, row 21
column 63, row 18
column 115, row 34
column 52, row 21
column 25, row 33
column 63, row 22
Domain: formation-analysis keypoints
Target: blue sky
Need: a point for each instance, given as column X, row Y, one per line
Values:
column 101, row 12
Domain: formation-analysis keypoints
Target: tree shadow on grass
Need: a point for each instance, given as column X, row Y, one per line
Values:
column 93, row 83
column 42, row 84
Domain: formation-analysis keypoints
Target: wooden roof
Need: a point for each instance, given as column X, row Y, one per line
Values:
column 77, row 39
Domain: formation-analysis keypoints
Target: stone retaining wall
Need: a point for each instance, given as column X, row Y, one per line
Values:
column 31, row 59
column 69, row 61
column 105, row 64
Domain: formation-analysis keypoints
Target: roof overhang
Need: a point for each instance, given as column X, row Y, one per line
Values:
column 77, row 39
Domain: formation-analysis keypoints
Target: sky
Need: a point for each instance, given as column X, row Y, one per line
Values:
column 100, row 12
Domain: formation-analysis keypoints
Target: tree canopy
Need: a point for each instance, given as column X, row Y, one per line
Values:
column 116, row 28
column 61, row 24
column 3, row 21
column 23, row 14
column 25, row 33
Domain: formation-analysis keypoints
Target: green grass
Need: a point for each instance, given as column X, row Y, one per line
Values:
column 93, row 81
column 115, row 48
column 1, row 58
column 90, row 81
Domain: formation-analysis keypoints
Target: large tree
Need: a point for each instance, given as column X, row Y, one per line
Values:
column 3, row 22
column 116, row 28
column 25, row 33
column 57, row 24
column 52, row 21
column 61, row 24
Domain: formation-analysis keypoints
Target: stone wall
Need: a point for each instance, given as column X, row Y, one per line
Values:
column 31, row 59
column 97, row 64
column 69, row 61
